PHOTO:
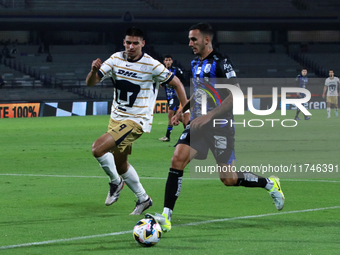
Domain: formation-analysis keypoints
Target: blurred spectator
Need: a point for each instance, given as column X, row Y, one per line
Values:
column 5, row 52
column 49, row 58
column 2, row 83
column 14, row 50
column 127, row 17
column 40, row 49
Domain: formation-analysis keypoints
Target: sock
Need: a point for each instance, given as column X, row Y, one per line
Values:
column 329, row 112
column 107, row 162
column 131, row 179
column 251, row 180
column 269, row 185
column 173, row 188
column 168, row 131
column 168, row 213
column 336, row 111
column 297, row 113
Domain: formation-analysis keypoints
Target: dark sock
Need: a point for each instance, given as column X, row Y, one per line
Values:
column 168, row 131
column 173, row 187
column 250, row 180
column 297, row 112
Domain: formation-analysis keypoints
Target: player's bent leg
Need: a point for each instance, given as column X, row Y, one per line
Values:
column 271, row 184
column 183, row 154
column 114, row 192
column 101, row 151
column 166, row 138
column 297, row 114
column 121, row 161
column 227, row 175
column 131, row 178
column 102, row 145
column 171, row 113
column 181, row 157
column 247, row 179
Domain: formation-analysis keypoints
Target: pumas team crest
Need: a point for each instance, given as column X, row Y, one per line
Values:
column 143, row 68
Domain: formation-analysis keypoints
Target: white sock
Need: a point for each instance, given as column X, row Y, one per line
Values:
column 336, row 111
column 168, row 212
column 269, row 185
column 107, row 162
column 329, row 112
column 131, row 179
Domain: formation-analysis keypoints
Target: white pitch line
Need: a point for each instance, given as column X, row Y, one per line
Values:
column 62, row 240
column 54, row 175
column 309, row 180
column 257, row 216
column 180, row 225
column 149, row 178
column 72, row 176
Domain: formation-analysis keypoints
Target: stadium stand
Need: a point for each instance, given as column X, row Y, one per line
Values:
column 71, row 5
column 326, row 60
column 279, row 57
column 165, row 8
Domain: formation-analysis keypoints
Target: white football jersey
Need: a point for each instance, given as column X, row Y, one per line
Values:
column 332, row 85
column 136, row 85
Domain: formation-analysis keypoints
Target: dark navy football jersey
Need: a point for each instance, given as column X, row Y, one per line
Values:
column 204, row 77
column 302, row 83
column 169, row 90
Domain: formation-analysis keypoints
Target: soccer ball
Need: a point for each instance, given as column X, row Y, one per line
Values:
column 147, row 232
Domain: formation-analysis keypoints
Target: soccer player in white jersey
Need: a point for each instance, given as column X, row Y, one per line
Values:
column 136, row 77
column 332, row 88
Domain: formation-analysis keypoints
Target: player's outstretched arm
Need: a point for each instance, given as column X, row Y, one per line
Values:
column 93, row 78
column 177, row 84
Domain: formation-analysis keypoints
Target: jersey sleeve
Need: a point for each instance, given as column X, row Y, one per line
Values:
column 180, row 75
column 106, row 70
column 226, row 68
column 161, row 74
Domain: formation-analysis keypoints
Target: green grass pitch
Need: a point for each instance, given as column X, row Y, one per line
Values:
column 52, row 191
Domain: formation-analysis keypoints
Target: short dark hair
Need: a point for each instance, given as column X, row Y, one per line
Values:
column 135, row 31
column 168, row 56
column 304, row 68
column 204, row 28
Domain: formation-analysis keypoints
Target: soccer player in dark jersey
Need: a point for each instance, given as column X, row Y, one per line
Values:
column 208, row 65
column 171, row 96
column 302, row 79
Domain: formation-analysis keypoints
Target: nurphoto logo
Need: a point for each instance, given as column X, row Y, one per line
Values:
column 238, row 105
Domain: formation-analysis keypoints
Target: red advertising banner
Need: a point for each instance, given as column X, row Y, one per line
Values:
column 19, row 110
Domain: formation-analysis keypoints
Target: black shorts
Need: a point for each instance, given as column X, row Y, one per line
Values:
column 220, row 140
column 173, row 104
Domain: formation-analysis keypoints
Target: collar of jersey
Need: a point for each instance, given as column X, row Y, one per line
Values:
column 136, row 59
column 209, row 56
